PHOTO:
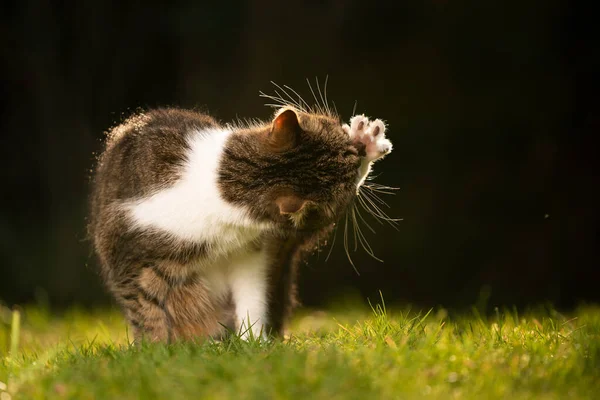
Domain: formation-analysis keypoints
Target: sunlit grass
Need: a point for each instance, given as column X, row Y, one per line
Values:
column 357, row 353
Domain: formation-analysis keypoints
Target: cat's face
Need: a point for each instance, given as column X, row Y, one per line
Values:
column 318, row 173
column 300, row 173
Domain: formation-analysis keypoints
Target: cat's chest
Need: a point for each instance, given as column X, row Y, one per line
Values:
column 220, row 228
column 229, row 239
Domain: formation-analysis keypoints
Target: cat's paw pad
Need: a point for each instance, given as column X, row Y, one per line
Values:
column 371, row 134
column 358, row 125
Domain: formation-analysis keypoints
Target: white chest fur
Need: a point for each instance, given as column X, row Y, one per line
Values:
column 193, row 209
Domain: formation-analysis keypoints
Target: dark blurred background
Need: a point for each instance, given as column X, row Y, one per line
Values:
column 492, row 106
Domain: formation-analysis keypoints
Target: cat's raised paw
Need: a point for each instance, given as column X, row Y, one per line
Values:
column 371, row 134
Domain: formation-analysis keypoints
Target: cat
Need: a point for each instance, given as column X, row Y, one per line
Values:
column 199, row 227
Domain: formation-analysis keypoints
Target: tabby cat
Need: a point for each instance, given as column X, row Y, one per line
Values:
column 199, row 227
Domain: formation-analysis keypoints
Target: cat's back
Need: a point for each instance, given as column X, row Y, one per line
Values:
column 146, row 152
column 142, row 155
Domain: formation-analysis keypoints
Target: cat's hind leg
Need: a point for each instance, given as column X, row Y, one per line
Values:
column 143, row 310
column 165, row 301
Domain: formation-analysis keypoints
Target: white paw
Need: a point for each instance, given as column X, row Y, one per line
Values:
column 256, row 331
column 371, row 134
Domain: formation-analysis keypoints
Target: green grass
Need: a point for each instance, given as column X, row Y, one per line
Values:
column 357, row 354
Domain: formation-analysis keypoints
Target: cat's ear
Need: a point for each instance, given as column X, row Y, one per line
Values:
column 285, row 132
column 290, row 204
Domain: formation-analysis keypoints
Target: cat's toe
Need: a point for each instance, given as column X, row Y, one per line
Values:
column 358, row 125
column 376, row 129
column 371, row 135
column 380, row 145
column 346, row 128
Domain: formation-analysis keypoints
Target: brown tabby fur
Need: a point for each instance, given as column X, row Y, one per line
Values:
column 269, row 168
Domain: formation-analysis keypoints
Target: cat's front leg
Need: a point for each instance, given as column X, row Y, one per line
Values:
column 371, row 134
column 283, row 271
column 248, row 283
column 369, row 138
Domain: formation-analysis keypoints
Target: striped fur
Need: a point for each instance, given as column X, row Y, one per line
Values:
column 198, row 225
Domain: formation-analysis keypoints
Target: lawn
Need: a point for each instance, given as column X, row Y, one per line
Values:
column 357, row 353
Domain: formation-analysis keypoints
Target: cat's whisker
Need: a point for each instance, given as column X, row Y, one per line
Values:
column 354, row 228
column 380, row 186
column 374, row 187
column 278, row 100
column 325, row 93
column 272, row 105
column 317, row 105
column 363, row 239
column 364, row 221
column 332, row 242
column 279, row 96
column 385, row 217
column 354, row 108
column 379, row 190
column 300, row 99
column 272, row 99
column 270, row 96
column 368, row 209
column 370, row 198
column 379, row 215
column 367, row 185
column 346, row 246
column 335, row 108
column 357, row 238
column 376, row 193
column 325, row 106
column 294, row 101
column 287, row 102
column 376, row 211
column 375, row 197
column 286, row 96
column 346, row 236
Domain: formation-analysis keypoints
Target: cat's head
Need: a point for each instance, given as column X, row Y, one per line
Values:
column 301, row 171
